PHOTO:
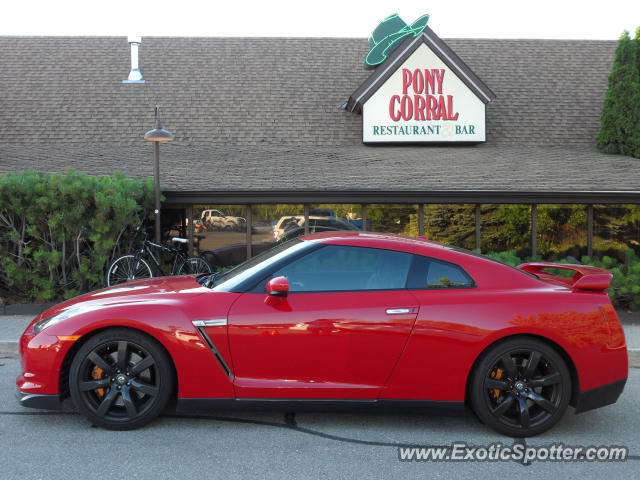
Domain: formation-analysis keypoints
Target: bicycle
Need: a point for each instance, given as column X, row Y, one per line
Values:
column 134, row 266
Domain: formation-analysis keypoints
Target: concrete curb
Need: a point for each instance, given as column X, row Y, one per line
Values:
column 24, row 308
column 634, row 358
column 8, row 349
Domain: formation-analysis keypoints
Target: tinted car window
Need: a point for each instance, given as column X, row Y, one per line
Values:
column 340, row 268
column 432, row 273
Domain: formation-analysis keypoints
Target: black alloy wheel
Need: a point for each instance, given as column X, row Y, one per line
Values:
column 520, row 387
column 121, row 379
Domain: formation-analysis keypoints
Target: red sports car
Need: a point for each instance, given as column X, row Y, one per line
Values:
column 337, row 320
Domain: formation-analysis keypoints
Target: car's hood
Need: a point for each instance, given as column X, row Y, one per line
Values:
column 135, row 291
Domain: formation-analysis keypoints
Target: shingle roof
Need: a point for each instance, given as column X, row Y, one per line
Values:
column 264, row 113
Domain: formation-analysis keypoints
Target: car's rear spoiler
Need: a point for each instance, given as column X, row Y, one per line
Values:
column 584, row 278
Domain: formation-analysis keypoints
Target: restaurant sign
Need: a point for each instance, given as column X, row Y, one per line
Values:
column 422, row 93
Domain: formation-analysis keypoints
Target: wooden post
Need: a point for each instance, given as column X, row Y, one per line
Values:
column 534, row 229
column 190, row 229
column 590, row 230
column 249, row 218
column 478, row 226
column 364, row 217
column 306, row 219
column 421, row 219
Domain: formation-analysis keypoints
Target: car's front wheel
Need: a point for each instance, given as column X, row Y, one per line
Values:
column 520, row 387
column 121, row 379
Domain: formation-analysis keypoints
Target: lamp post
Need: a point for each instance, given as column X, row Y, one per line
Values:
column 157, row 135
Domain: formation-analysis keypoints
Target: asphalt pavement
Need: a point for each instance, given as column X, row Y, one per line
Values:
column 61, row 445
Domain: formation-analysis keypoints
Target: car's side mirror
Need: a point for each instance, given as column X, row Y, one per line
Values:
column 278, row 287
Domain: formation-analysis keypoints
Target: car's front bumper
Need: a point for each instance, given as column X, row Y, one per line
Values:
column 599, row 396
column 41, row 357
column 36, row 400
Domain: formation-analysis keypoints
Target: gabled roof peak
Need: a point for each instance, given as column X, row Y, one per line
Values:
column 402, row 53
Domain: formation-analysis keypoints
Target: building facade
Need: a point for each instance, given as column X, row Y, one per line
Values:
column 273, row 129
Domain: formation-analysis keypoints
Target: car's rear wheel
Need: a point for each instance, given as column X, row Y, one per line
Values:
column 520, row 387
column 121, row 379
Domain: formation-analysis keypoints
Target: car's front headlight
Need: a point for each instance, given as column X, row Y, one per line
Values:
column 48, row 321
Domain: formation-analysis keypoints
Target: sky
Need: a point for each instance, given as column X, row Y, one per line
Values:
column 556, row 19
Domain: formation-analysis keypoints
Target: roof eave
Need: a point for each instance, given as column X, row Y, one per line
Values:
column 404, row 196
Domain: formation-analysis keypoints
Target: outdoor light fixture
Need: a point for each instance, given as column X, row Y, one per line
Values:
column 157, row 135
column 135, row 75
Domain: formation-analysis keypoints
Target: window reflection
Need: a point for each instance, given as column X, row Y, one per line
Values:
column 562, row 231
column 335, row 216
column 220, row 234
column 402, row 219
column 453, row 224
column 616, row 229
column 274, row 223
column 506, row 227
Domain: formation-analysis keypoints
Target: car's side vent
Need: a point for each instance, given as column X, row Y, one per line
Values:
column 214, row 350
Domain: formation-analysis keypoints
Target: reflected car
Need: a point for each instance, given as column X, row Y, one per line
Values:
column 337, row 320
column 290, row 222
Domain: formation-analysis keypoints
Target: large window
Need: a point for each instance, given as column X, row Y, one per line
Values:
column 271, row 221
column 505, row 227
column 453, row 224
column 616, row 230
column 341, row 268
column 220, row 230
column 335, row 216
column 562, row 231
column 389, row 218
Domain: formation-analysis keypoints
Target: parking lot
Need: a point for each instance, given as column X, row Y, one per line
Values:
column 35, row 444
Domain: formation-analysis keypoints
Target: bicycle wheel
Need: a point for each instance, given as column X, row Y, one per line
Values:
column 193, row 265
column 126, row 268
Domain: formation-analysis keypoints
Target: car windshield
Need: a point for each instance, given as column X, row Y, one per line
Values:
column 231, row 278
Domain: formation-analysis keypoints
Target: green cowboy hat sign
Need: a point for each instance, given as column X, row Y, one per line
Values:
column 389, row 34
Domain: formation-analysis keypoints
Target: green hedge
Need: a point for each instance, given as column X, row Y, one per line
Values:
column 58, row 232
column 625, row 285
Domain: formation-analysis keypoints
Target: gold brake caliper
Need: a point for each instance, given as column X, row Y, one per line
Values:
column 96, row 374
column 497, row 374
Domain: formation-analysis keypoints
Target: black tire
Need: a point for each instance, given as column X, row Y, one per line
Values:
column 125, row 268
column 520, row 387
column 194, row 265
column 132, row 375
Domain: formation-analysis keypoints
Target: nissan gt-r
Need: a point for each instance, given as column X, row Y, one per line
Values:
column 337, row 320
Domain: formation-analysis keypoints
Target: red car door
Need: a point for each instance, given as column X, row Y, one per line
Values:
column 338, row 333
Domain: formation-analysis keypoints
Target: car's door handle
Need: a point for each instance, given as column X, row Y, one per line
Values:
column 396, row 311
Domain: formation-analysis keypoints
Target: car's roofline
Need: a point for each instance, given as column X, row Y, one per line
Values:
column 325, row 237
